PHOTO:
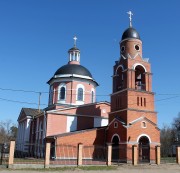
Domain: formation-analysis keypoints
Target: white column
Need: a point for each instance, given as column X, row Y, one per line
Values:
column 73, row 56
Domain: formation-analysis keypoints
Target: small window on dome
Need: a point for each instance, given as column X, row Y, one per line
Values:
column 137, row 47
column 122, row 49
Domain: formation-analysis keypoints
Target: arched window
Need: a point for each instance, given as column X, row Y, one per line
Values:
column 140, row 78
column 80, row 94
column 92, row 96
column 119, row 78
column 51, row 95
column 62, row 93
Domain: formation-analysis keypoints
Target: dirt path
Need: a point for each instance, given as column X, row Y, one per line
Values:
column 168, row 168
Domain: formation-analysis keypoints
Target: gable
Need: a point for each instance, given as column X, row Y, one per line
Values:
column 119, row 121
column 28, row 113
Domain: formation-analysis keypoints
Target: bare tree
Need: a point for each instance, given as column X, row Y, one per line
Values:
column 167, row 140
column 8, row 131
column 176, row 127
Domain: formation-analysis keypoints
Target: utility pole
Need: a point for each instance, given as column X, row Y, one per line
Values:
column 39, row 101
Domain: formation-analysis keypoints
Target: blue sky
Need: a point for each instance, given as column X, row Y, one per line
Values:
column 35, row 36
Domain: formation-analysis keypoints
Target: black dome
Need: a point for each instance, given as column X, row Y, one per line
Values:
column 73, row 69
column 74, row 49
column 130, row 33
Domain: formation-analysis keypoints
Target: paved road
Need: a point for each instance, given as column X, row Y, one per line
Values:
column 168, row 168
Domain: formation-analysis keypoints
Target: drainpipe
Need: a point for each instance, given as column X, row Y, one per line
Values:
column 45, row 127
column 55, row 138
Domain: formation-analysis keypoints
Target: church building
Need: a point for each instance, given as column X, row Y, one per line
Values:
column 73, row 116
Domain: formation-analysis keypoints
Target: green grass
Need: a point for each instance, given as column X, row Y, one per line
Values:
column 95, row 168
column 168, row 159
column 71, row 168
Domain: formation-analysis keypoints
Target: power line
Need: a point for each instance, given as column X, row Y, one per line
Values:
column 98, row 95
column 31, row 103
column 22, row 102
column 45, row 92
column 21, row 90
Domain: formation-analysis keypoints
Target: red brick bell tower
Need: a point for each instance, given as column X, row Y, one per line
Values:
column 132, row 120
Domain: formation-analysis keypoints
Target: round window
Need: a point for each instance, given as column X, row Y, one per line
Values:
column 122, row 49
column 137, row 47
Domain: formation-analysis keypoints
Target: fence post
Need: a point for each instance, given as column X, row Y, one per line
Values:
column 178, row 155
column 158, row 155
column 11, row 153
column 134, row 155
column 109, row 154
column 79, row 159
column 47, row 155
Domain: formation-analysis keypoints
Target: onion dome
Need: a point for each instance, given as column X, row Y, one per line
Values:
column 73, row 69
column 130, row 33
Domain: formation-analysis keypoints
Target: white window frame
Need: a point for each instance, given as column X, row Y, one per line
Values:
column 59, row 93
column 93, row 99
column 143, row 123
column 80, row 101
column 51, row 93
column 115, row 124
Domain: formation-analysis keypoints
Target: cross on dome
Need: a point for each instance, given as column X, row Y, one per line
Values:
column 75, row 38
column 130, row 18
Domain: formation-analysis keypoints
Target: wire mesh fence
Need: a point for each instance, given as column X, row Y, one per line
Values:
column 94, row 155
column 121, row 154
column 4, row 153
column 144, row 153
column 64, row 154
column 29, row 153
column 168, row 155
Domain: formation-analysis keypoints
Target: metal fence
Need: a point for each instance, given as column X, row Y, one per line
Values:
column 4, row 153
column 144, row 153
column 168, row 155
column 94, row 155
column 63, row 155
column 121, row 154
column 29, row 153
column 68, row 155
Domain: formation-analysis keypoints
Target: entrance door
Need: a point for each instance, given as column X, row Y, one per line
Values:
column 115, row 148
column 144, row 150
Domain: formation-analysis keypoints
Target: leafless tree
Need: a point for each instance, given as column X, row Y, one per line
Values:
column 176, row 127
column 167, row 140
column 8, row 131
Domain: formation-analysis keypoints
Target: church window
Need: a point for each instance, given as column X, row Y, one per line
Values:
column 137, row 47
column 144, row 102
column 62, row 93
column 92, row 96
column 80, row 94
column 122, row 49
column 137, row 101
column 119, row 78
column 141, row 101
column 51, row 95
column 140, row 78
column 143, row 124
column 115, row 125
